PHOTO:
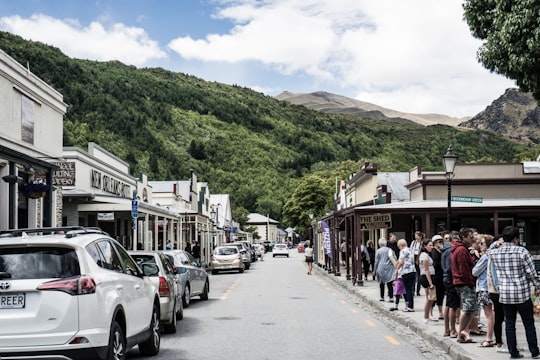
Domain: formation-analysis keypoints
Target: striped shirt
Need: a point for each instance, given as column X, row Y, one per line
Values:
column 515, row 270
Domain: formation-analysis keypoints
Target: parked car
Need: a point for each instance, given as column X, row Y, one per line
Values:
column 59, row 296
column 281, row 250
column 267, row 246
column 249, row 249
column 246, row 256
column 196, row 282
column 170, row 289
column 226, row 258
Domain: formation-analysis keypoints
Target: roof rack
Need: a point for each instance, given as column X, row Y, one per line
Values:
column 69, row 231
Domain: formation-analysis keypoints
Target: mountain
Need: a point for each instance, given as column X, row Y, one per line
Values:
column 514, row 115
column 332, row 103
column 254, row 147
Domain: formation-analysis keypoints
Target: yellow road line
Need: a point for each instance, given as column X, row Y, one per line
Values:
column 369, row 323
column 391, row 340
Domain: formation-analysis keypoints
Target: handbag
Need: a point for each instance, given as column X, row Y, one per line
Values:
column 431, row 294
column 399, row 287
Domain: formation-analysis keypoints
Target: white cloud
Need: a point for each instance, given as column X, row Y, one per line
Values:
column 127, row 44
column 408, row 55
column 415, row 55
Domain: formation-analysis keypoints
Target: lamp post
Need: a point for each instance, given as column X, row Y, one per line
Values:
column 449, row 162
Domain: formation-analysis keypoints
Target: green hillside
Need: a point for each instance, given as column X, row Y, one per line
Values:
column 252, row 146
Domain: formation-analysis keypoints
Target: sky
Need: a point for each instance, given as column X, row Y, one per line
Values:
column 414, row 56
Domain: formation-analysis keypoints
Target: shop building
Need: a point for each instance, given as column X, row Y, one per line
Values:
column 486, row 197
column 31, row 115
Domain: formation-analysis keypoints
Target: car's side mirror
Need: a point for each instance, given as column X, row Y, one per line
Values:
column 181, row 270
column 150, row 269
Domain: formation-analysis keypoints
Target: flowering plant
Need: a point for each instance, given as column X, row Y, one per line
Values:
column 34, row 189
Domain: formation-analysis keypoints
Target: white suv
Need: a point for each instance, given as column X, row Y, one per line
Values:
column 74, row 293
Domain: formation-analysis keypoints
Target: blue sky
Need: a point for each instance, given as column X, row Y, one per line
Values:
column 414, row 56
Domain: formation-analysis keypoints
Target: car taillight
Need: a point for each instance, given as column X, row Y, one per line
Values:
column 81, row 285
column 239, row 257
column 164, row 290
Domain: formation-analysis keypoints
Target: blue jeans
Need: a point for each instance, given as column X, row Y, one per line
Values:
column 526, row 313
column 409, row 280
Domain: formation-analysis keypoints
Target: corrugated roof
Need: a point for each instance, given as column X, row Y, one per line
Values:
column 395, row 183
column 443, row 204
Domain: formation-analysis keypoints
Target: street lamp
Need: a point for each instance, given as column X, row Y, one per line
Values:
column 449, row 162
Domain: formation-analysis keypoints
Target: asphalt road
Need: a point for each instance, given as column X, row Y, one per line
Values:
column 276, row 311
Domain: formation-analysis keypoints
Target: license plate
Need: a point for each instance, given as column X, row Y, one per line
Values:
column 12, row 301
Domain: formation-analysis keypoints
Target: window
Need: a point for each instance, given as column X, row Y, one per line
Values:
column 110, row 260
column 27, row 119
column 39, row 262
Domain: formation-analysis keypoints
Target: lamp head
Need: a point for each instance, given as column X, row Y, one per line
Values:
column 449, row 161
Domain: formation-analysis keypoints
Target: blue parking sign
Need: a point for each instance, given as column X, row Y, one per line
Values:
column 134, row 209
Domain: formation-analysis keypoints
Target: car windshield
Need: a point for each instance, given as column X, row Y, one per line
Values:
column 38, row 263
column 226, row 251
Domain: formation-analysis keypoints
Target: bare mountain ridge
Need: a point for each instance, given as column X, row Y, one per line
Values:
column 514, row 115
column 332, row 103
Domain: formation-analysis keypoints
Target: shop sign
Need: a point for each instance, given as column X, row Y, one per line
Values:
column 105, row 216
column 375, row 221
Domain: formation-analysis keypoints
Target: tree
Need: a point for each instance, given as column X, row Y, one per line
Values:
column 511, row 34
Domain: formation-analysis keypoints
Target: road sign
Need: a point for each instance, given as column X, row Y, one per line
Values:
column 376, row 221
column 134, row 209
column 467, row 199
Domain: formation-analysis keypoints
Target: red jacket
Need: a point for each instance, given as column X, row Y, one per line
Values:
column 462, row 264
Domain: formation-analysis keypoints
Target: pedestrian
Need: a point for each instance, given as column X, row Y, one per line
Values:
column 482, row 292
column 426, row 280
column 196, row 252
column 308, row 253
column 453, row 302
column 343, row 250
column 169, row 245
column 262, row 250
column 364, row 254
column 462, row 264
column 384, row 269
column 516, row 273
column 406, row 270
column 371, row 252
column 415, row 247
column 493, row 287
column 438, row 276
column 392, row 244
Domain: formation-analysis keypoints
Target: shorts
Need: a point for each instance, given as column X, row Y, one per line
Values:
column 483, row 299
column 309, row 259
column 467, row 294
column 452, row 298
column 424, row 281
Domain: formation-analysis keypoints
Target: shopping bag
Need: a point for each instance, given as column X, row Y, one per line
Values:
column 431, row 294
column 399, row 287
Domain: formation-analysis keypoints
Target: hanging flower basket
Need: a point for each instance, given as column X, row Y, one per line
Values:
column 34, row 190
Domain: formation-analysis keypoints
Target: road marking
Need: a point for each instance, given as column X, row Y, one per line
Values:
column 230, row 289
column 391, row 340
column 354, row 311
column 343, row 302
column 369, row 323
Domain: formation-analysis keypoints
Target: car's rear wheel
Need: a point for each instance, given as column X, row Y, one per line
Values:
column 204, row 294
column 117, row 343
column 151, row 346
column 187, row 296
column 242, row 269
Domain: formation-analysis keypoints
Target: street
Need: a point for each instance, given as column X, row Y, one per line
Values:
column 276, row 311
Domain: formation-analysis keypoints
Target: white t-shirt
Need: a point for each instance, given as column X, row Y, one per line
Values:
column 423, row 257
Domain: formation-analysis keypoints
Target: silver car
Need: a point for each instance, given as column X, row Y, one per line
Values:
column 226, row 258
column 170, row 295
column 197, row 283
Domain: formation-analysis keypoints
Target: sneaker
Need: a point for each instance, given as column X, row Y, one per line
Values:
column 536, row 356
column 429, row 322
column 518, row 356
column 390, row 300
column 381, row 299
column 433, row 319
column 393, row 309
column 502, row 349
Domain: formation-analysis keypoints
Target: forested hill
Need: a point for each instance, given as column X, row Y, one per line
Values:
column 252, row 146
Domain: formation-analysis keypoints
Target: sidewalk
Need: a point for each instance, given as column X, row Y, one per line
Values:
column 369, row 295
